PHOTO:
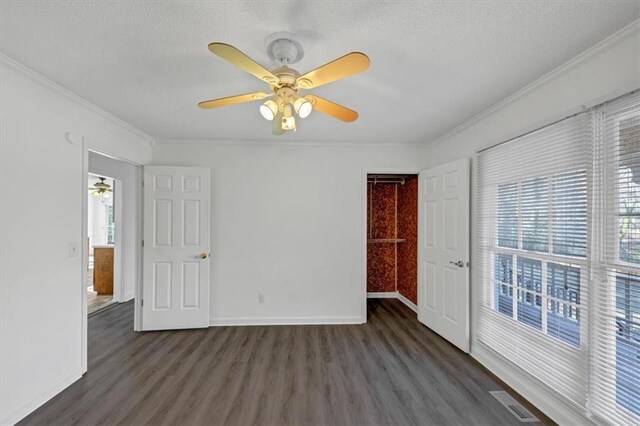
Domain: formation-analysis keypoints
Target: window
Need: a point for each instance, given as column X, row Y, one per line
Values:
column 534, row 216
column 570, row 214
column 563, row 303
column 531, row 212
column 628, row 342
column 529, row 292
column 504, row 284
column 550, row 214
column 508, row 215
column 110, row 225
column 629, row 190
column 557, row 216
column 622, row 149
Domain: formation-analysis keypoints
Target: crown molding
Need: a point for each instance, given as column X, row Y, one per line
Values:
column 23, row 69
column 291, row 142
column 592, row 52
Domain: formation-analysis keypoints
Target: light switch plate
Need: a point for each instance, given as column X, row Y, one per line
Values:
column 73, row 250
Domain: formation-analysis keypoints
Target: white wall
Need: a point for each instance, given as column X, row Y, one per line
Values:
column 608, row 70
column 129, row 174
column 287, row 221
column 40, row 337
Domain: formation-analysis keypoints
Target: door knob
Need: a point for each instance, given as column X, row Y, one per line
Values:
column 459, row 263
column 204, row 255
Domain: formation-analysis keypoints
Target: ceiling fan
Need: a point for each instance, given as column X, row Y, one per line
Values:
column 101, row 189
column 285, row 82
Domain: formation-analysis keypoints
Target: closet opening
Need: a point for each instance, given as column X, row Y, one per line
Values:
column 392, row 238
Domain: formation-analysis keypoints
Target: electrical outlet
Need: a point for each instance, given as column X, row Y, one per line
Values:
column 260, row 298
column 73, row 250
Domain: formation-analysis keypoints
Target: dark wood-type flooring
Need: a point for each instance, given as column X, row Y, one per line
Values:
column 392, row 370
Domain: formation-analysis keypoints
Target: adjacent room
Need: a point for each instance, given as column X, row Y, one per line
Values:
column 320, row 212
column 100, row 242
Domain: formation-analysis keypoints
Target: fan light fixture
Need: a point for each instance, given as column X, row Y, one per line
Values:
column 285, row 83
column 303, row 107
column 269, row 110
column 101, row 189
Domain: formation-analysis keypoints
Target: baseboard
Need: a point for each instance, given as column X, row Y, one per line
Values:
column 408, row 302
column 382, row 295
column 221, row 322
column 42, row 398
column 545, row 399
column 129, row 296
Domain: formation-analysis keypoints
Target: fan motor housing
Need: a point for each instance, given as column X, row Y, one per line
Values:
column 287, row 76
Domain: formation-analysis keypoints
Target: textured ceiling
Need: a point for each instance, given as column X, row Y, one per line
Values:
column 433, row 64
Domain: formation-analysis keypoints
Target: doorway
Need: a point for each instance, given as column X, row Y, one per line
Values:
column 392, row 237
column 103, row 289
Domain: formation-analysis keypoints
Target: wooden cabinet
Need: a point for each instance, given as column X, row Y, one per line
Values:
column 103, row 269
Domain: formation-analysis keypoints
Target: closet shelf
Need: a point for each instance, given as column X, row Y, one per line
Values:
column 385, row 240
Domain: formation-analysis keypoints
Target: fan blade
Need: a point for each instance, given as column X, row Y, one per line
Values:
column 350, row 64
column 332, row 109
column 247, row 97
column 277, row 124
column 240, row 60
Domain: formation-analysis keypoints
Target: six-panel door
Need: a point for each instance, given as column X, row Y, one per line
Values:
column 443, row 251
column 176, row 247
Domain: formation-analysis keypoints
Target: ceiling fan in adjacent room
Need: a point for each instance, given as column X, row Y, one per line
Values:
column 285, row 82
column 101, row 189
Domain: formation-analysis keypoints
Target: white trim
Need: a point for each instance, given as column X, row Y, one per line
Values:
column 129, row 296
column 75, row 98
column 392, row 295
column 558, row 408
column 223, row 322
column 270, row 142
column 592, row 52
column 84, row 232
column 118, row 282
column 42, row 398
column 382, row 294
column 408, row 302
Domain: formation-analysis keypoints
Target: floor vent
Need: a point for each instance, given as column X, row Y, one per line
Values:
column 514, row 407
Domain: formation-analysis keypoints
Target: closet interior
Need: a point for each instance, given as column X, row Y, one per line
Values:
column 392, row 235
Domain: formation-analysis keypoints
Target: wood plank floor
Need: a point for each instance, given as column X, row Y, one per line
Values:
column 392, row 370
column 96, row 301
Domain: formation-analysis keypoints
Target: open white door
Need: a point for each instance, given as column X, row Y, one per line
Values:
column 176, row 247
column 443, row 251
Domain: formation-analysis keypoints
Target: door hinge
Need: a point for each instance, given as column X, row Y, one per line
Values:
column 141, row 302
column 142, row 243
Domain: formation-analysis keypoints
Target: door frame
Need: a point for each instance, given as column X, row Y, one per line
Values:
column 367, row 170
column 86, row 148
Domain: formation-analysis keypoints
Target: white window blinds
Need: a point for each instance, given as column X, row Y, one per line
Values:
column 532, row 242
column 557, row 224
column 615, row 335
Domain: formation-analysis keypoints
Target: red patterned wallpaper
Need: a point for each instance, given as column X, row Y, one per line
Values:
column 381, row 257
column 388, row 270
column 408, row 229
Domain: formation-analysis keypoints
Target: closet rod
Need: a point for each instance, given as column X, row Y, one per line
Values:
column 379, row 179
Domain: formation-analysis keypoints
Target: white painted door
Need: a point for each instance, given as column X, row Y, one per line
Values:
column 443, row 251
column 176, row 247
